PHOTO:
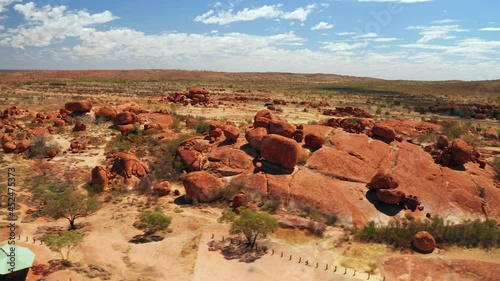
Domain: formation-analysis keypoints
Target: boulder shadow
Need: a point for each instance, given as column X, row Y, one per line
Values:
column 272, row 169
column 387, row 141
column 250, row 150
column 457, row 167
column 145, row 238
column 387, row 209
column 182, row 200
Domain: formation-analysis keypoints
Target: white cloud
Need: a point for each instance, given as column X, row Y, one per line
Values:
column 5, row 3
column 400, row 1
column 48, row 24
column 384, row 39
column 266, row 11
column 436, row 32
column 345, row 33
column 300, row 14
column 322, row 25
column 367, row 35
column 342, row 46
column 444, row 21
column 490, row 29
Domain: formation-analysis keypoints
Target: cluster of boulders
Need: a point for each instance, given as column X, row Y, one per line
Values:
column 347, row 111
column 126, row 167
column 350, row 125
column 456, row 152
column 387, row 191
column 193, row 96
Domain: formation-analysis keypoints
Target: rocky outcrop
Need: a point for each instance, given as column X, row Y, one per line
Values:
column 126, row 164
column 384, row 131
column 280, row 150
column 390, row 196
column 78, row 107
column 202, row 186
column 79, row 126
column 383, row 180
column 231, row 133
column 255, row 136
column 106, row 113
column 314, row 140
column 100, row 177
column 460, row 152
column 125, row 118
column 491, row 134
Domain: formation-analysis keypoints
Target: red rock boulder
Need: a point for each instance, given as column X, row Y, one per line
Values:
column 82, row 106
column 281, row 127
column 202, row 186
column 126, row 164
column 280, row 150
column 162, row 188
column 460, row 152
column 383, row 180
column 314, row 140
column 23, row 145
column 79, row 127
column 106, row 112
column 424, row 242
column 52, row 153
column 390, row 196
column 100, row 177
column 9, row 147
column 125, row 118
column 384, row 131
column 491, row 134
column 254, row 137
column 442, row 142
column 231, row 133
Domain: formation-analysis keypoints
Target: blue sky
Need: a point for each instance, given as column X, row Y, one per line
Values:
column 391, row 39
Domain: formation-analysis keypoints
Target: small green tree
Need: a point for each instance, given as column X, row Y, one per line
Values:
column 63, row 243
column 153, row 221
column 251, row 224
column 68, row 204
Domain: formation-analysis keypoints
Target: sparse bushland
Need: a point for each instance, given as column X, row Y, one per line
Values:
column 399, row 234
column 453, row 129
column 168, row 166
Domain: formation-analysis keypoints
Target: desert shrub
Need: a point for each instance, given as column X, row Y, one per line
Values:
column 452, row 129
column 39, row 148
column 399, row 234
column 271, row 203
column 135, row 129
column 153, row 221
column 202, row 128
column 379, row 110
column 168, row 165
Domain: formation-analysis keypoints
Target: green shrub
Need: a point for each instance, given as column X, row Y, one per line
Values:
column 453, row 129
column 153, row 221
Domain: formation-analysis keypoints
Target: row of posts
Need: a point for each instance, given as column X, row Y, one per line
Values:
column 300, row 260
column 34, row 240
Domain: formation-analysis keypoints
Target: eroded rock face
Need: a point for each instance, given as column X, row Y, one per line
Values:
column 255, row 136
column 100, row 177
column 443, row 142
column 82, row 106
column 390, row 196
column 280, row 150
column 126, row 164
column 460, row 151
column 202, row 186
column 125, row 118
column 384, row 131
column 424, row 242
column 383, row 180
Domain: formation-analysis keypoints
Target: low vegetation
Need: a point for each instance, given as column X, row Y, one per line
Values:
column 153, row 221
column 399, row 234
column 40, row 147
